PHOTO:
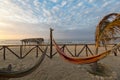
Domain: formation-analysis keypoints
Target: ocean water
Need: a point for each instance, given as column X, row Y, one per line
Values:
column 76, row 41
column 10, row 42
column 60, row 41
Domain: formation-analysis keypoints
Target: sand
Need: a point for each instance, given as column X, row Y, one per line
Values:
column 57, row 68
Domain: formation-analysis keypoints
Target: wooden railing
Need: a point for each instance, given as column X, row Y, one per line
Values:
column 23, row 52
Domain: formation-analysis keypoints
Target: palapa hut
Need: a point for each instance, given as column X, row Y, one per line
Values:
column 32, row 40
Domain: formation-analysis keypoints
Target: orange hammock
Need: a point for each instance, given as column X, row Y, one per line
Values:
column 85, row 60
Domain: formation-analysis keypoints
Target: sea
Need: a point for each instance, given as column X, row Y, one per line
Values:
column 60, row 41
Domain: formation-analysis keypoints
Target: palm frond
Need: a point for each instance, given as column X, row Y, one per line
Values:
column 108, row 28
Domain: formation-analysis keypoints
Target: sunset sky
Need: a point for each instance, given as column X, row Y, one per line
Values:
column 71, row 19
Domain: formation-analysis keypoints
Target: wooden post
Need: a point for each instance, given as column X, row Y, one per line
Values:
column 21, row 52
column 4, row 51
column 76, row 50
column 86, row 50
column 37, row 51
column 63, row 47
column 51, row 42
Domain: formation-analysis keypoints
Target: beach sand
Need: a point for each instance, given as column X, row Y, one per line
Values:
column 57, row 68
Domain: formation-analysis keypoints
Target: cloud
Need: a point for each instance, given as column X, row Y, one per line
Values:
column 81, row 34
column 106, row 4
column 25, row 30
column 54, row 1
column 80, row 4
column 46, row 13
column 55, row 8
column 13, row 12
column 91, row 1
column 37, row 4
column 63, row 3
column 68, row 17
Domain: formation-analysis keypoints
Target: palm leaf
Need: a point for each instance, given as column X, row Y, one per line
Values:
column 108, row 29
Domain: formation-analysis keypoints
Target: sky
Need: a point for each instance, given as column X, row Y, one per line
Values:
column 70, row 19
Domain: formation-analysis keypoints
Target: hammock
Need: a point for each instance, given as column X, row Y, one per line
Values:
column 16, row 74
column 85, row 60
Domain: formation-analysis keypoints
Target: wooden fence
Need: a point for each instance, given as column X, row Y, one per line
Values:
column 20, row 54
column 75, row 52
